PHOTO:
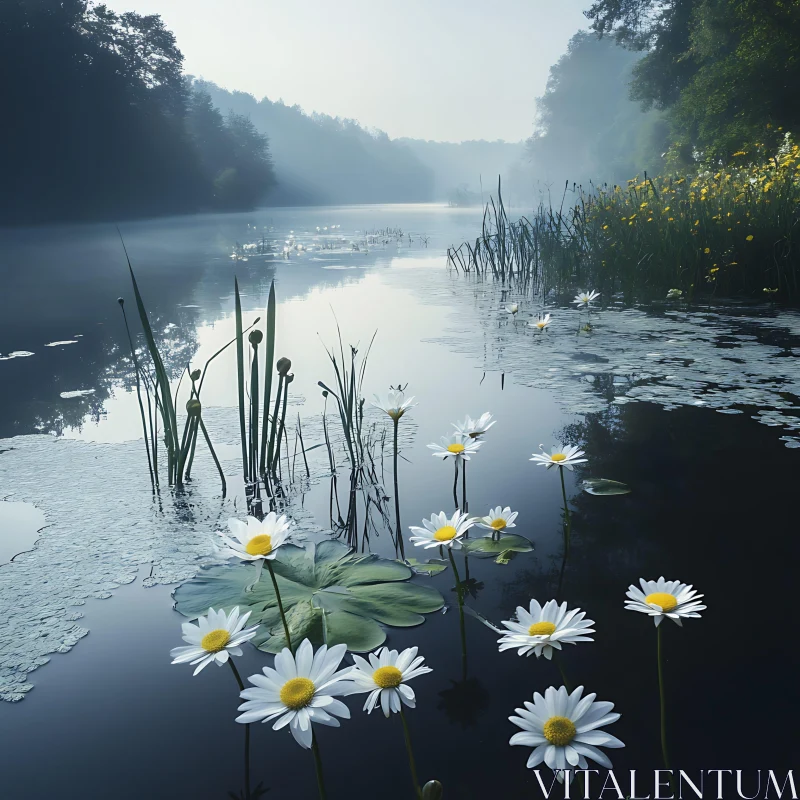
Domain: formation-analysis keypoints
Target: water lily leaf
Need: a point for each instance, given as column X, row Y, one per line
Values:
column 605, row 487
column 329, row 593
column 487, row 547
column 432, row 567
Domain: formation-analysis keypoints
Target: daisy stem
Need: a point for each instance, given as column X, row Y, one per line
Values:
column 663, row 701
column 464, row 487
column 280, row 607
column 399, row 530
column 560, row 665
column 460, row 613
column 411, row 763
column 567, row 520
column 455, row 483
column 236, row 673
column 318, row 768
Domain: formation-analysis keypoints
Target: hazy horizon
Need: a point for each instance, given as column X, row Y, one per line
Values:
column 445, row 72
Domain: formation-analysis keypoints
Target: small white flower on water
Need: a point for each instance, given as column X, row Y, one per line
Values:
column 385, row 676
column 540, row 323
column 457, row 446
column 254, row 540
column 662, row 598
column 583, row 299
column 512, row 308
column 498, row 519
column 563, row 456
column 475, row 427
column 541, row 629
column 299, row 691
column 441, row 530
column 216, row 637
column 395, row 404
column 563, row 730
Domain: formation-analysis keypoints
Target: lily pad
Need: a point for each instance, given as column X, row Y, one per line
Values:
column 604, row 487
column 499, row 549
column 330, row 594
column 432, row 567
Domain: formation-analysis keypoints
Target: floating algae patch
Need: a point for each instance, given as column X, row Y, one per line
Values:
column 722, row 358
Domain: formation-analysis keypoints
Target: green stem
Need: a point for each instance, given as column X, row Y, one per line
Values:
column 318, row 767
column 455, row 483
column 567, row 519
column 236, row 674
column 397, row 496
column 464, row 506
column 460, row 614
column 411, row 763
column 663, row 703
column 280, row 607
column 560, row 665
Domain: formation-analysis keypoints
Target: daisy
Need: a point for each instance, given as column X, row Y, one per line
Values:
column 299, row 691
column 385, row 677
column 542, row 629
column 540, row 323
column 583, row 299
column 216, row 637
column 395, row 405
column 498, row 519
column 512, row 308
column 564, row 456
column 475, row 427
column 662, row 598
column 256, row 540
column 457, row 446
column 441, row 530
column 564, row 730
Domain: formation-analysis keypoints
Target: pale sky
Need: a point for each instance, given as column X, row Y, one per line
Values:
column 433, row 69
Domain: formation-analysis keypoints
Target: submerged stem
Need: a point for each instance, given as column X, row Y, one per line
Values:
column 398, row 529
column 318, row 767
column 460, row 613
column 567, row 519
column 280, row 607
column 411, row 763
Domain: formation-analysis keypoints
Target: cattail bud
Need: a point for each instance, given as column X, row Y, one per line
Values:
column 193, row 407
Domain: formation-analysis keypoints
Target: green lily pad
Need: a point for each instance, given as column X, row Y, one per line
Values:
column 500, row 549
column 604, row 487
column 330, row 595
column 432, row 567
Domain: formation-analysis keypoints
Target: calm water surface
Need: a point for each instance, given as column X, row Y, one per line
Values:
column 710, row 501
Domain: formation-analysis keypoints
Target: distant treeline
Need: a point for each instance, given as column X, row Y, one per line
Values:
column 101, row 123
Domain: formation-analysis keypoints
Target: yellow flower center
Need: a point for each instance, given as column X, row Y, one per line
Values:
column 559, row 731
column 387, row 677
column 395, row 413
column 541, row 324
column 558, row 457
column 445, row 534
column 214, row 641
column 260, row 545
column 297, row 693
column 663, row 599
column 455, row 448
column 541, row 629
column 498, row 524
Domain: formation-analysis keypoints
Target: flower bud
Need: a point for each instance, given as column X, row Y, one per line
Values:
column 255, row 337
column 432, row 790
column 121, row 301
column 195, row 375
column 283, row 366
column 193, row 407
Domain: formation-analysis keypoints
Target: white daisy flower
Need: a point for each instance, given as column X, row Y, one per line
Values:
column 512, row 308
column 442, row 530
column 395, row 404
column 216, row 637
column 457, row 446
column 564, row 730
column 475, row 427
column 498, row 519
column 585, row 298
column 541, row 322
column 662, row 598
column 563, row 456
column 540, row 630
column 255, row 540
column 300, row 690
column 385, row 677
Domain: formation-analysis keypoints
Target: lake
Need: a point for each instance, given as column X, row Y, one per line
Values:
column 694, row 409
